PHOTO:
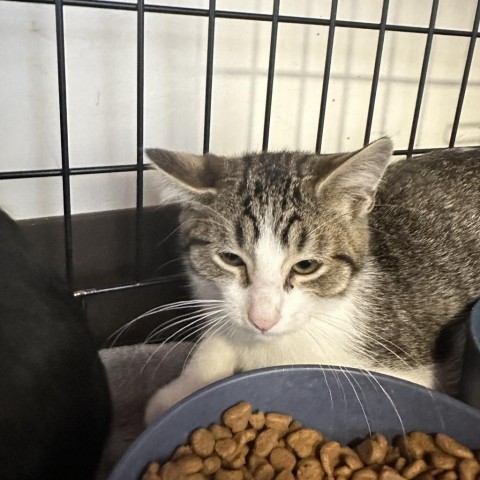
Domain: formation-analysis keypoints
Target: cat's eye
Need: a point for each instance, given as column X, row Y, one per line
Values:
column 305, row 267
column 231, row 259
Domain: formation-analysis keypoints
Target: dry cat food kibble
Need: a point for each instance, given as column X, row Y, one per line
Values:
column 272, row 446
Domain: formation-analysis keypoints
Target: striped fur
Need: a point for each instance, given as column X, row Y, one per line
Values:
column 393, row 283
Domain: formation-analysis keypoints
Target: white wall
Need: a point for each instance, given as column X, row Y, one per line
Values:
column 101, row 89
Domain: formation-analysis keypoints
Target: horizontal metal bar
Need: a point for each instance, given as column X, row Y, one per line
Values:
column 418, row 151
column 56, row 172
column 264, row 17
column 90, row 292
column 13, row 175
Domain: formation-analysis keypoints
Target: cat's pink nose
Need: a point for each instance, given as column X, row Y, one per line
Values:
column 263, row 319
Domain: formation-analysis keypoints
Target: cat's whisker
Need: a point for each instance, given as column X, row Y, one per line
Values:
column 192, row 318
column 408, row 355
column 396, row 355
column 358, row 385
column 334, row 364
column 211, row 324
column 220, row 320
column 175, row 344
column 354, row 339
column 347, row 374
column 331, row 320
column 394, row 345
column 329, row 361
column 157, row 334
column 412, row 358
column 197, row 329
column 372, row 378
column 323, row 371
column 428, row 390
column 215, row 212
column 175, row 230
column 186, row 317
column 230, row 331
column 180, row 305
column 173, row 260
column 356, row 346
column 390, row 399
column 203, row 310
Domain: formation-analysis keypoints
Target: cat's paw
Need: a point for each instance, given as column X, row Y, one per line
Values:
column 164, row 398
column 158, row 404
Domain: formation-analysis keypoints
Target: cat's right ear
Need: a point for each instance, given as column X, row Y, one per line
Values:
column 354, row 178
column 186, row 175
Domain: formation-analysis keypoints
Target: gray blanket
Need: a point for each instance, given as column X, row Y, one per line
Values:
column 134, row 373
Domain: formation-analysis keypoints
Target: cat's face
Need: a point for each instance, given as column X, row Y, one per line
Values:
column 277, row 237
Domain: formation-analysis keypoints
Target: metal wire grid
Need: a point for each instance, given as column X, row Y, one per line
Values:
column 212, row 13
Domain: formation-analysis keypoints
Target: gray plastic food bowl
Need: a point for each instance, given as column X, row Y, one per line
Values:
column 470, row 383
column 344, row 404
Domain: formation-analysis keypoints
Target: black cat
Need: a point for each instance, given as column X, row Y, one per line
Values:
column 54, row 398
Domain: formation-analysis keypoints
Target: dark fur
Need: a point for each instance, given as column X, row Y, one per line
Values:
column 54, row 399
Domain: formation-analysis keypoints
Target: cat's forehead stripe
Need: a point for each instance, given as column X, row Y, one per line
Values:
column 266, row 185
column 249, row 214
column 302, row 239
column 239, row 235
column 289, row 223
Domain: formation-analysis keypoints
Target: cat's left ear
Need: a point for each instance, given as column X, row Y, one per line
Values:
column 355, row 180
column 186, row 175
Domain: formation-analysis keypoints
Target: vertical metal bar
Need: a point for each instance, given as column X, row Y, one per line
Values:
column 423, row 76
column 376, row 71
column 326, row 75
column 271, row 73
column 466, row 73
column 208, row 88
column 140, row 103
column 62, row 92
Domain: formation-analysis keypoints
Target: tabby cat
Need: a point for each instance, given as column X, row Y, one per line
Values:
column 345, row 259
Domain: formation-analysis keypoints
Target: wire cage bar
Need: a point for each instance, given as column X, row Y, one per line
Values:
column 271, row 73
column 140, row 120
column 209, row 77
column 62, row 91
column 326, row 75
column 230, row 14
column 212, row 14
column 423, row 76
column 376, row 72
column 466, row 73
